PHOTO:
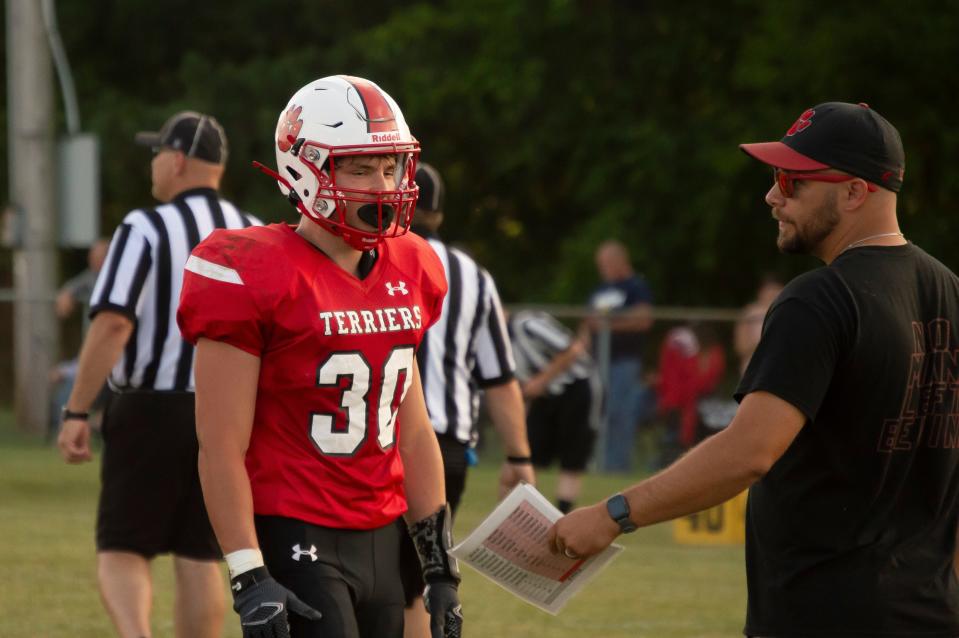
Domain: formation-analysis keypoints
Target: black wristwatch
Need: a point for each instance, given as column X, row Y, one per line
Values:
column 618, row 508
column 67, row 415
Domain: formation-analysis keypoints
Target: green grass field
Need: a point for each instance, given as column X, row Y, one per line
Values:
column 655, row 589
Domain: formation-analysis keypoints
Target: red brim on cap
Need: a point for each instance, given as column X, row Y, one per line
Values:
column 779, row 155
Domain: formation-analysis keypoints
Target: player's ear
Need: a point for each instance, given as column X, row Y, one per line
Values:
column 854, row 193
column 179, row 163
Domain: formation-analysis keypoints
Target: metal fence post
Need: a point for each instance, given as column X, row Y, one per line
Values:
column 602, row 362
column 32, row 191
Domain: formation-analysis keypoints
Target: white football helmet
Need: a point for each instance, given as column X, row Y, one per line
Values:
column 339, row 116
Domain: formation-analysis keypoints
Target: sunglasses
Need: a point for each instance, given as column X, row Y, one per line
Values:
column 786, row 180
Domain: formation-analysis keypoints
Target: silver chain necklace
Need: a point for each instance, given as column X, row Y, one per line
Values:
column 865, row 239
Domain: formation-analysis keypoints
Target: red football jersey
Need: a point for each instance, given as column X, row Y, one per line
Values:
column 336, row 358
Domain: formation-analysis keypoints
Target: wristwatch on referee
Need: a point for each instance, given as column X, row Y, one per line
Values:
column 618, row 508
column 67, row 415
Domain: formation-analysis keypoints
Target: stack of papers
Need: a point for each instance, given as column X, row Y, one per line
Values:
column 510, row 548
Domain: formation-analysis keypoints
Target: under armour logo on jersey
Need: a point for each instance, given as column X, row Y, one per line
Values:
column 399, row 288
column 297, row 553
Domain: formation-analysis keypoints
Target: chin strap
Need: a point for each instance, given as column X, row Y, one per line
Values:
column 433, row 537
column 292, row 195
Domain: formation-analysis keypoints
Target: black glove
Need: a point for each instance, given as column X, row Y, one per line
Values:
column 447, row 619
column 263, row 604
column 432, row 537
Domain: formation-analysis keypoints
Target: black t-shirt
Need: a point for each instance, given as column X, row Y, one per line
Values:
column 852, row 531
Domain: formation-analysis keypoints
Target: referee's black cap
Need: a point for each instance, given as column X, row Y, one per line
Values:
column 195, row 134
column 432, row 191
column 850, row 137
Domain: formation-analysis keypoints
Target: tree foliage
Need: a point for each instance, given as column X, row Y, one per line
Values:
column 556, row 123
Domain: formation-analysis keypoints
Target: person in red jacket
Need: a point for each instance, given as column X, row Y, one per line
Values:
column 691, row 364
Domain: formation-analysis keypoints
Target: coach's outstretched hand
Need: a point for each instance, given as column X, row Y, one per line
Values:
column 583, row 532
column 263, row 605
column 446, row 614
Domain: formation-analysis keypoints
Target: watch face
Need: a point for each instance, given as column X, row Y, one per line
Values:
column 618, row 509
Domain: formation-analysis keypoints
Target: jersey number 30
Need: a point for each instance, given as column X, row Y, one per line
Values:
column 346, row 439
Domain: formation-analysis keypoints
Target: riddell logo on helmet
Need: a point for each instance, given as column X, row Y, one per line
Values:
column 389, row 137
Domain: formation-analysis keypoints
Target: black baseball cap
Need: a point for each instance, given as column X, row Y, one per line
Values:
column 195, row 134
column 849, row 137
column 432, row 192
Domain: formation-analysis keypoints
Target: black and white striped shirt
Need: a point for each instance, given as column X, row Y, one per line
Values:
column 537, row 339
column 467, row 349
column 142, row 277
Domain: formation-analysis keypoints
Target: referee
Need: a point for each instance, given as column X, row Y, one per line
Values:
column 466, row 352
column 562, row 385
column 150, row 502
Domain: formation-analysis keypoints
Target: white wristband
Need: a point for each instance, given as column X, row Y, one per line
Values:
column 243, row 560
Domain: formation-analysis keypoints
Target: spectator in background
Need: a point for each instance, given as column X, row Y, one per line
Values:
column 623, row 302
column 78, row 289
column 75, row 293
column 691, row 364
column 749, row 327
column 564, row 394
column 465, row 353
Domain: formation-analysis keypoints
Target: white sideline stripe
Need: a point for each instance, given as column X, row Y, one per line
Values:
column 212, row 271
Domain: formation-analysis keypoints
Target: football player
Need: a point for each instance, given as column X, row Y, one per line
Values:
column 314, row 437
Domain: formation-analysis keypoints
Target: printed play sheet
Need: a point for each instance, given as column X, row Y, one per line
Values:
column 510, row 548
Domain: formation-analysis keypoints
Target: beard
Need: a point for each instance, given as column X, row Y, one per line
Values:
column 806, row 236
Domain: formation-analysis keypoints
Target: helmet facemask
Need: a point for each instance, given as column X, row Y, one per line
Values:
column 389, row 212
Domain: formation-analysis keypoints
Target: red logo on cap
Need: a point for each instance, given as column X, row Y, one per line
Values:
column 804, row 122
column 887, row 175
column 289, row 128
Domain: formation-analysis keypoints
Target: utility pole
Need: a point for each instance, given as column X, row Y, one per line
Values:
column 32, row 193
